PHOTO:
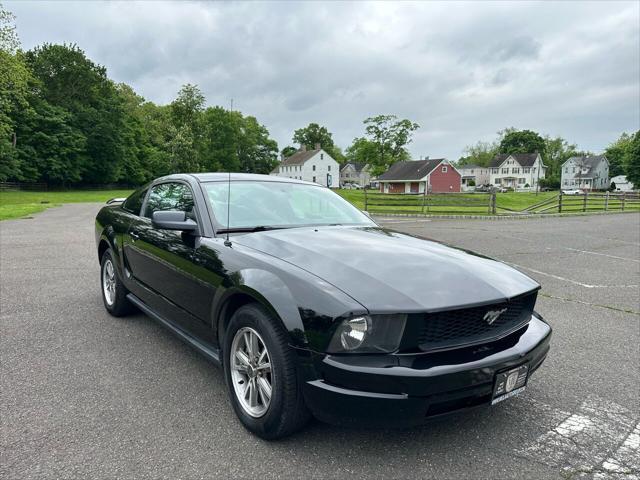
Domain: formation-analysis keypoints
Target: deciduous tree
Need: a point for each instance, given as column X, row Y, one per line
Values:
column 391, row 136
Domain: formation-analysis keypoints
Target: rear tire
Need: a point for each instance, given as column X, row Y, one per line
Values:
column 114, row 293
column 268, row 416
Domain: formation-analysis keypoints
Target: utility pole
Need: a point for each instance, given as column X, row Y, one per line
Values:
column 538, row 177
column 231, row 108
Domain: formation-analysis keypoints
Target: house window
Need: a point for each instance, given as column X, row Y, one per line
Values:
column 322, row 156
column 329, row 167
column 533, row 169
column 521, row 180
column 444, row 169
column 566, row 182
column 314, row 169
column 515, row 170
column 314, row 178
column 526, row 170
column 497, row 181
column 505, row 170
column 566, row 170
column 494, row 170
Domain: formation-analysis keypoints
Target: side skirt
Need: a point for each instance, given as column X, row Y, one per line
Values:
column 209, row 351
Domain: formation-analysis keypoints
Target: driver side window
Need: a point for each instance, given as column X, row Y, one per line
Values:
column 170, row 196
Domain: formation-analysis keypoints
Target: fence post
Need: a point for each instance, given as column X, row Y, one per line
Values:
column 584, row 201
column 560, row 202
column 492, row 203
column 365, row 200
column 606, row 201
column 624, row 194
column 424, row 196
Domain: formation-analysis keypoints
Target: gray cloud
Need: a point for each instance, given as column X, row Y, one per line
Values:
column 461, row 70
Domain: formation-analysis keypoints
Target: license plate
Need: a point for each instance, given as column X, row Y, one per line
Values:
column 510, row 383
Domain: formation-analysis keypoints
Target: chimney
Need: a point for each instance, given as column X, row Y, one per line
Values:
column 318, row 147
column 282, row 157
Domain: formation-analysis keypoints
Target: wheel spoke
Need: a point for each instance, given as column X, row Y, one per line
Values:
column 255, row 349
column 265, row 367
column 253, row 394
column 264, row 387
column 248, row 344
column 242, row 357
column 262, row 356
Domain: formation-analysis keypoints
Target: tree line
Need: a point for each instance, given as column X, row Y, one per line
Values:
column 623, row 154
column 64, row 122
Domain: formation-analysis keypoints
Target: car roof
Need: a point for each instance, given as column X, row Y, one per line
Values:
column 224, row 177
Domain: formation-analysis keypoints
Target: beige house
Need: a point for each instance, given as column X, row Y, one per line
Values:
column 355, row 173
column 520, row 171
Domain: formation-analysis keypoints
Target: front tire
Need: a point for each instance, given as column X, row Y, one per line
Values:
column 260, row 371
column 114, row 293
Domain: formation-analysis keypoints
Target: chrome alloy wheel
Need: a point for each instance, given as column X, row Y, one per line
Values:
column 109, row 282
column 251, row 372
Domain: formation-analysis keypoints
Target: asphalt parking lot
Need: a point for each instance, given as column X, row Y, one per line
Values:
column 85, row 395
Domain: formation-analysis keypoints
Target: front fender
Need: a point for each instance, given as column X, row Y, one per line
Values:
column 268, row 289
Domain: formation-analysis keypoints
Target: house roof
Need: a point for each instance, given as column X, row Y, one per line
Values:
column 300, row 157
column 469, row 166
column 524, row 159
column 413, row 170
column 588, row 163
column 357, row 166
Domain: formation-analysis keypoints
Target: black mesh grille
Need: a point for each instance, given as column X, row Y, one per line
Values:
column 453, row 328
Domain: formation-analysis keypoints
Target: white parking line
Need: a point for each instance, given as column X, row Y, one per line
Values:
column 626, row 460
column 601, row 436
column 603, row 255
column 575, row 282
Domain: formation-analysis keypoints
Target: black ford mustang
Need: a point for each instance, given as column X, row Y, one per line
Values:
column 311, row 308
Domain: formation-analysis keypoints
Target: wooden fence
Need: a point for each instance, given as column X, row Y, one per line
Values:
column 485, row 203
column 22, row 186
column 430, row 203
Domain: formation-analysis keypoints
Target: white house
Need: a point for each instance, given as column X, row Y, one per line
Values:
column 310, row 165
column 587, row 173
column 354, row 172
column 520, row 171
column 473, row 173
column 622, row 184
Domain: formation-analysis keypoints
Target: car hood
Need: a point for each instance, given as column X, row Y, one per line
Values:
column 388, row 271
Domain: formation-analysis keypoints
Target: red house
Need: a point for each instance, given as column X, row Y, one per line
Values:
column 435, row 175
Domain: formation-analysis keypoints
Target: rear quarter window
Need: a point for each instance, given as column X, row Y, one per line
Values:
column 133, row 203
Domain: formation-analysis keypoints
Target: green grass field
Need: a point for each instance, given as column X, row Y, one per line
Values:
column 17, row 204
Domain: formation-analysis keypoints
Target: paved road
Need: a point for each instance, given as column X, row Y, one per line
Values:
column 84, row 395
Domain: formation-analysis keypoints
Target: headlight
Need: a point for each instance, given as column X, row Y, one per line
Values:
column 368, row 334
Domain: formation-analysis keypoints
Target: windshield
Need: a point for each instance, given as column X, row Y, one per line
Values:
column 280, row 205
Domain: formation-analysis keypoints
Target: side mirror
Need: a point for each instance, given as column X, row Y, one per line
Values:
column 173, row 220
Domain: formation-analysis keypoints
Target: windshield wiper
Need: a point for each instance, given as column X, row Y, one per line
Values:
column 258, row 228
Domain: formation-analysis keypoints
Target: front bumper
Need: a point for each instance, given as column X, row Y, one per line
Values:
column 405, row 390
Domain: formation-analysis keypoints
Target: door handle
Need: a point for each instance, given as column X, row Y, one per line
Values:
column 134, row 236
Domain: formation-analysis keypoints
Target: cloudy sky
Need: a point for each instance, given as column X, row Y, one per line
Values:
column 461, row 70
